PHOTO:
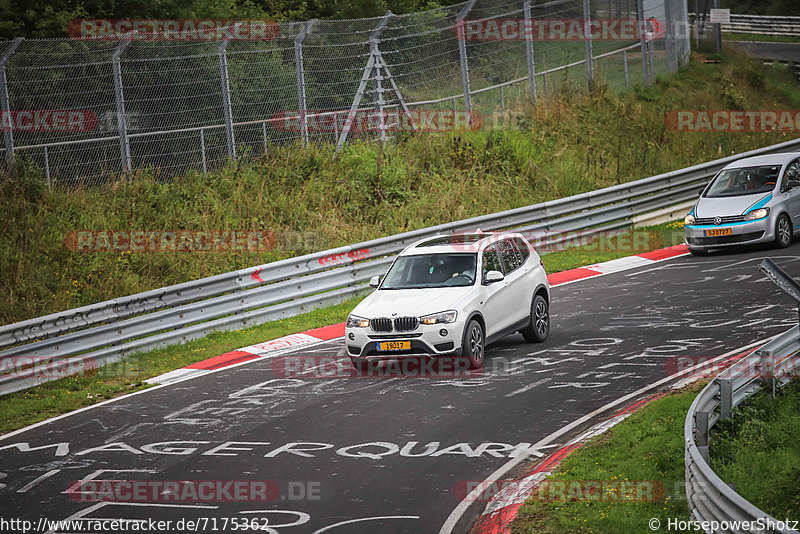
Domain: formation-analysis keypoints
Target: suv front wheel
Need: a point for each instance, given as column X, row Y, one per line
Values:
column 472, row 344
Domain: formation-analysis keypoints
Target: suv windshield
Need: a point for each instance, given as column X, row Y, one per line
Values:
column 432, row 270
column 744, row 181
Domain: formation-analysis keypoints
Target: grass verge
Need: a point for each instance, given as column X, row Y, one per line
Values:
column 758, row 451
column 647, row 446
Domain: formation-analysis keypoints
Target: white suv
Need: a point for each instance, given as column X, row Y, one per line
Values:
column 452, row 295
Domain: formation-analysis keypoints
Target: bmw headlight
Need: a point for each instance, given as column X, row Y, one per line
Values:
column 354, row 321
column 757, row 214
column 439, row 318
column 689, row 220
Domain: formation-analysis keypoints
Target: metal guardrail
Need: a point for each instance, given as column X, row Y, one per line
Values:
column 70, row 341
column 710, row 498
column 766, row 25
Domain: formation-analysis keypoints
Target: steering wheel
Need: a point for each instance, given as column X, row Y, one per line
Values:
column 462, row 275
column 769, row 183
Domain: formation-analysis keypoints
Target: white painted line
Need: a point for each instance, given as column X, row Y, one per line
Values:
column 173, row 376
column 620, row 264
column 377, row 518
column 452, row 520
column 35, row 481
column 528, row 387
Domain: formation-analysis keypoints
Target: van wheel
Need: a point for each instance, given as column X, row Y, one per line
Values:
column 783, row 231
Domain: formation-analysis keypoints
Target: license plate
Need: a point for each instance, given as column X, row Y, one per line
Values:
column 394, row 345
column 717, row 231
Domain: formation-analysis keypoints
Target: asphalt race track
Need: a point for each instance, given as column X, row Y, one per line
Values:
column 367, row 455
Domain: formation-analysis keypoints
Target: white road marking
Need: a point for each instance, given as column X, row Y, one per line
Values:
column 35, row 481
column 528, row 387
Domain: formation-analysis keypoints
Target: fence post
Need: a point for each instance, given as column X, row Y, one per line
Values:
column 301, row 80
column 226, row 91
column 5, row 103
column 377, row 81
column 46, row 167
column 625, row 61
column 529, row 50
column 203, row 151
column 672, row 59
column 717, row 31
column 372, row 63
column 641, row 25
column 587, row 30
column 119, row 97
column 462, row 53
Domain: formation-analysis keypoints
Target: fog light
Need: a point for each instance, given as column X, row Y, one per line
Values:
column 443, row 332
column 351, row 336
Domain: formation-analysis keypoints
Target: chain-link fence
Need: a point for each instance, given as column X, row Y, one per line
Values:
column 177, row 106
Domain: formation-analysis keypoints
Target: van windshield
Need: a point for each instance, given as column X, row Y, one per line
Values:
column 744, row 181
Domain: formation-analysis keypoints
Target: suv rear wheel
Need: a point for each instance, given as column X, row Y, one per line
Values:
column 539, row 325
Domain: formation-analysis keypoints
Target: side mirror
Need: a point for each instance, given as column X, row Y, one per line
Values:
column 701, row 191
column 492, row 277
column 375, row 281
column 791, row 184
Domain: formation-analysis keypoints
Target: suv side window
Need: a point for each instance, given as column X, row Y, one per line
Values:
column 491, row 261
column 511, row 257
column 792, row 173
column 522, row 249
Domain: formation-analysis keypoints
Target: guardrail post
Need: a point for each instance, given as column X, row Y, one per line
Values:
column 119, row 97
column 5, row 104
column 301, row 80
column 768, row 371
column 526, row 7
column 701, row 433
column 462, row 53
column 587, row 30
column 226, row 90
column 725, row 398
column 641, row 25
